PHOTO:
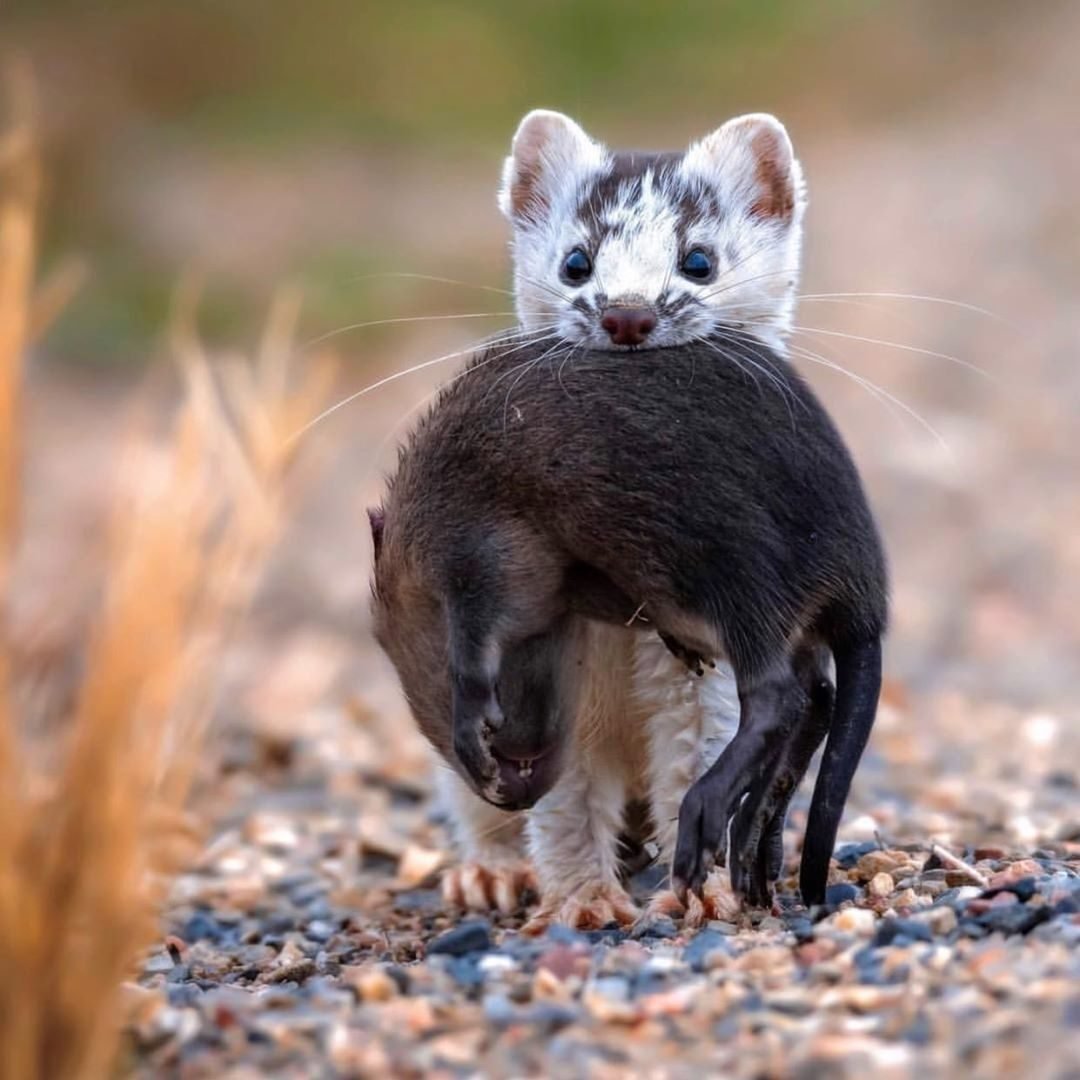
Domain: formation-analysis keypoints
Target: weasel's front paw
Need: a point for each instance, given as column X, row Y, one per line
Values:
column 592, row 907
column 717, row 901
column 503, row 887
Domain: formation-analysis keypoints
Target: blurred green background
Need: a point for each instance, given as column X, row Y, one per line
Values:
column 321, row 142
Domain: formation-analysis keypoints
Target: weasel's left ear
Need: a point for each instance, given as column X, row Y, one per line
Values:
column 548, row 152
column 377, row 518
column 751, row 160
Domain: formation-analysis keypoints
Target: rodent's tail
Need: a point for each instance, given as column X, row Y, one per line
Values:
column 858, row 683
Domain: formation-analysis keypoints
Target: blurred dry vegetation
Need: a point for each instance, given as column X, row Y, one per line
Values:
column 339, row 145
column 93, row 820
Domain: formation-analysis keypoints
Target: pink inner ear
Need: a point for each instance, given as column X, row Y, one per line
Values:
column 377, row 518
column 776, row 195
column 526, row 191
column 526, row 197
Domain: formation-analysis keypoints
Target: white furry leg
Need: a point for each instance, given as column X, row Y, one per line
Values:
column 573, row 831
column 689, row 719
column 573, row 836
column 493, row 873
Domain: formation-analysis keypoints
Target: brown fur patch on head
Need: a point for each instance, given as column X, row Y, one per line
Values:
column 527, row 198
column 777, row 189
column 751, row 158
column 547, row 152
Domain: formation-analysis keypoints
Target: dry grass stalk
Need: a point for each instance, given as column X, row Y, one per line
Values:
column 20, row 184
column 84, row 851
column 954, row 862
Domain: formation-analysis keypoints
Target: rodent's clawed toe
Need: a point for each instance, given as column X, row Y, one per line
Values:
column 690, row 657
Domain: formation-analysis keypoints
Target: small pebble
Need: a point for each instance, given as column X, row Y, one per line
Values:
column 847, row 855
column 659, row 928
column 859, row 921
column 880, row 885
column 372, row 984
column 901, row 931
column 562, row 961
column 1013, row 919
column 319, row 930
column 472, row 935
column 941, row 920
column 159, row 962
column 843, row 893
column 876, row 861
column 706, row 944
column 499, row 1010
column 551, row 1016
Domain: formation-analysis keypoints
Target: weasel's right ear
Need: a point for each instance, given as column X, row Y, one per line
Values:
column 548, row 151
column 377, row 518
column 752, row 160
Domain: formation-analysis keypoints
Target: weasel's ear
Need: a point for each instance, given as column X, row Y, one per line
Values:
column 751, row 159
column 377, row 518
column 548, row 151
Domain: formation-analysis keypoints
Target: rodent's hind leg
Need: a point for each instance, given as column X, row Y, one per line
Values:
column 712, row 801
column 494, row 873
column 757, row 841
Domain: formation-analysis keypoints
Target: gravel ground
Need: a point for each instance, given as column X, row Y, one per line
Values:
column 311, row 940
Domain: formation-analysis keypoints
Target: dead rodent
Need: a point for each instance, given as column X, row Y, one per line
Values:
column 707, row 494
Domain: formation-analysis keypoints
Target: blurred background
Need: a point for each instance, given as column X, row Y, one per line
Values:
column 335, row 146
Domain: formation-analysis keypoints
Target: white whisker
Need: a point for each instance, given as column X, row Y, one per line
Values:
column 438, row 279
column 508, row 335
column 404, row 319
column 944, row 300
column 875, row 391
column 749, row 341
column 897, row 345
column 496, row 355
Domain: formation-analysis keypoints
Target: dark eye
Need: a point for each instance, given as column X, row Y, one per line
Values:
column 697, row 265
column 578, row 267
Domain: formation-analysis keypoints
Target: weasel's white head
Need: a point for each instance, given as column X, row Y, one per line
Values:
column 617, row 249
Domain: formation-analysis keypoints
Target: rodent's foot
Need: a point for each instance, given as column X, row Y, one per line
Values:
column 757, row 855
column 504, row 888
column 592, row 907
column 702, row 840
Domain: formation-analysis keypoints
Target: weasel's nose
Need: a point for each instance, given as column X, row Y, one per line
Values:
column 628, row 325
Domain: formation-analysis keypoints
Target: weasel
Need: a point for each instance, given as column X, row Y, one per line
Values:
column 616, row 250
column 604, row 491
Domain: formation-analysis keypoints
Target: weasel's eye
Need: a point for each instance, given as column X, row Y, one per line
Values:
column 577, row 268
column 697, row 265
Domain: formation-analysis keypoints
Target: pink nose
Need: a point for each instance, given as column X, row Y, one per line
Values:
column 628, row 325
